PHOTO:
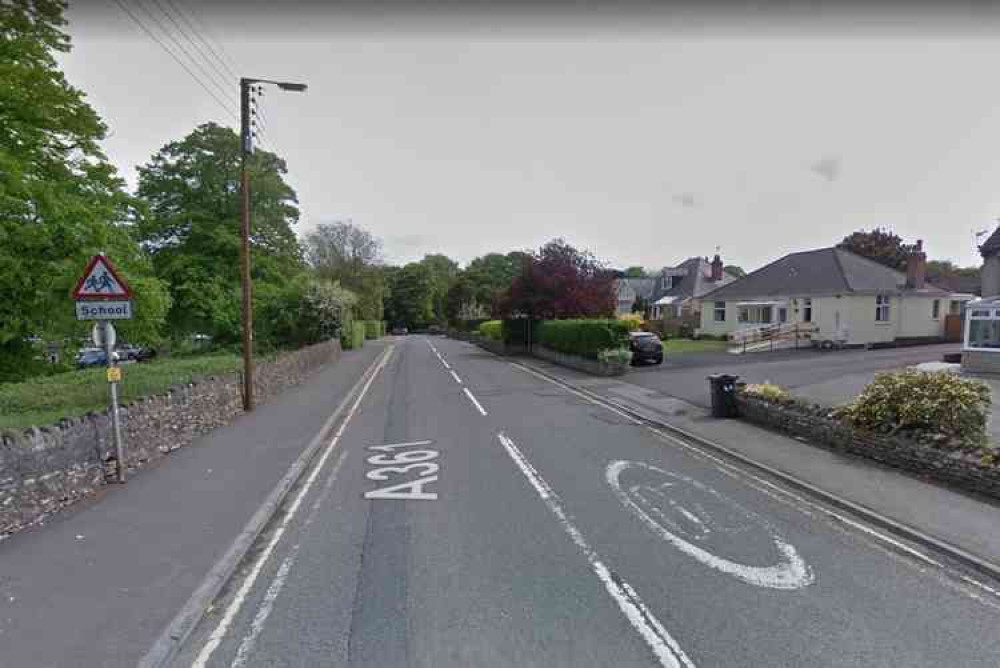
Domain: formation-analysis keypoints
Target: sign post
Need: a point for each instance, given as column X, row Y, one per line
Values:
column 102, row 295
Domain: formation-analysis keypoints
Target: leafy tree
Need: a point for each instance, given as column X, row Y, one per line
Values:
column 880, row 245
column 560, row 281
column 734, row 270
column 442, row 271
column 192, row 227
column 489, row 276
column 304, row 311
column 410, row 301
column 348, row 254
column 60, row 199
column 635, row 272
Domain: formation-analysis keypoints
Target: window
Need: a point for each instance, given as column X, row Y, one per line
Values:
column 807, row 310
column 755, row 314
column 882, row 308
column 936, row 309
column 955, row 307
column 720, row 311
column 783, row 314
column 983, row 329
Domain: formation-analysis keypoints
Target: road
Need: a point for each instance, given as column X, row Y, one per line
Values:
column 683, row 376
column 511, row 522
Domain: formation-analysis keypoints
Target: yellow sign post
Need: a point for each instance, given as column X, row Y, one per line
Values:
column 114, row 374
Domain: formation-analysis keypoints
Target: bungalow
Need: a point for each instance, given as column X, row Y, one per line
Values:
column 848, row 298
column 675, row 291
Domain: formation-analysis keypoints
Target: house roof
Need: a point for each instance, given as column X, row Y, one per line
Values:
column 628, row 289
column 696, row 282
column 816, row 272
column 991, row 245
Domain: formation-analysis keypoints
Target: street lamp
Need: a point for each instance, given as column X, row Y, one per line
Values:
column 246, row 147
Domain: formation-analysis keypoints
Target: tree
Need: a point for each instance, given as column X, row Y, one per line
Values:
column 441, row 272
column 60, row 199
column 640, row 306
column 560, row 281
column 734, row 270
column 192, row 227
column 635, row 272
column 880, row 245
column 349, row 255
column 490, row 275
column 410, row 302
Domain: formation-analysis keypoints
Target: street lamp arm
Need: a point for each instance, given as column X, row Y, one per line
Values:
column 283, row 85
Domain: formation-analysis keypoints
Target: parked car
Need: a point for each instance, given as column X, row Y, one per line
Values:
column 136, row 353
column 645, row 346
column 400, row 331
column 89, row 357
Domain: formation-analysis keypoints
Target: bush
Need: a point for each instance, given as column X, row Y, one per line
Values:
column 632, row 320
column 935, row 404
column 616, row 355
column 586, row 338
column 768, row 391
column 353, row 335
column 492, row 330
column 374, row 329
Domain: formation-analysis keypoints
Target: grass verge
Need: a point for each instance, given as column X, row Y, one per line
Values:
column 48, row 399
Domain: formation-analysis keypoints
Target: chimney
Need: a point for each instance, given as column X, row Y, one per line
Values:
column 717, row 268
column 916, row 267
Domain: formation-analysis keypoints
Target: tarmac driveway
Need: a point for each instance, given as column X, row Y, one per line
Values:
column 831, row 375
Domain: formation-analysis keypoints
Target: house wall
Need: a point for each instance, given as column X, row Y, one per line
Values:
column 708, row 323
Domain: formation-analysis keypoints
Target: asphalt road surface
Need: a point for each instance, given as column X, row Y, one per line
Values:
column 471, row 513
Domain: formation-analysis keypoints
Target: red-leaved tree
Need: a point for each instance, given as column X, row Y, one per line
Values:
column 559, row 281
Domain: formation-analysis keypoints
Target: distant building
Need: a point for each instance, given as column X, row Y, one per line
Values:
column 676, row 290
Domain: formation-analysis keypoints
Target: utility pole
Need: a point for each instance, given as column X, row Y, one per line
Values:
column 246, row 148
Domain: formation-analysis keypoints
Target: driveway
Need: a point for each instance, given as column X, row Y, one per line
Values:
column 826, row 377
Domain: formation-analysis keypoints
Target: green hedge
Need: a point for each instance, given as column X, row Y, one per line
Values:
column 586, row 338
column 353, row 335
column 492, row 329
column 374, row 329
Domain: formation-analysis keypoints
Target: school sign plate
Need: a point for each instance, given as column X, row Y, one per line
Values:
column 104, row 310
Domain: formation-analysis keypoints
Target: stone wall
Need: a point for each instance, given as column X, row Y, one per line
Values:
column 45, row 468
column 595, row 367
column 955, row 469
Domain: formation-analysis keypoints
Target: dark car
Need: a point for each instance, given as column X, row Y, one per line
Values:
column 137, row 353
column 400, row 331
column 645, row 347
column 91, row 357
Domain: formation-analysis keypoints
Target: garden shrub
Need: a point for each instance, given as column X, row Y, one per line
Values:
column 374, row 329
column 935, row 404
column 768, row 391
column 492, row 330
column 586, row 338
column 633, row 320
column 615, row 356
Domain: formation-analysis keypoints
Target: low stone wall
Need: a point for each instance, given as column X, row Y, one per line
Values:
column 595, row 367
column 45, row 468
column 495, row 347
column 955, row 469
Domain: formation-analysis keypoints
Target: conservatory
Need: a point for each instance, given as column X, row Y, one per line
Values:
column 981, row 349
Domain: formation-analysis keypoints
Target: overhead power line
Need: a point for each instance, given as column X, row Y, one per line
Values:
column 221, row 76
column 176, row 42
column 180, row 62
column 225, row 58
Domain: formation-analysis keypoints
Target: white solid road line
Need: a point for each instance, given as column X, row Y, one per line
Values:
column 241, row 595
column 278, row 582
column 667, row 651
column 473, row 400
column 455, row 376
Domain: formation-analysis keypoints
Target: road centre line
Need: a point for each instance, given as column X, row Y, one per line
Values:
column 455, row 376
column 473, row 400
column 215, row 639
column 664, row 647
column 609, row 406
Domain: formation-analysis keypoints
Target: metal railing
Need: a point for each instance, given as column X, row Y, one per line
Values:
column 766, row 336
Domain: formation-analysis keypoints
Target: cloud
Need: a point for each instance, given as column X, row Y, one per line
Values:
column 827, row 168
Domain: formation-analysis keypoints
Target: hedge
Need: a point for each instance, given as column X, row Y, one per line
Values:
column 374, row 329
column 586, row 338
column 353, row 336
column 492, row 329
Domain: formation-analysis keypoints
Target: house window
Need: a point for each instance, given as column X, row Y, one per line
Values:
column 807, row 310
column 955, row 307
column 720, row 311
column 755, row 314
column 882, row 308
column 983, row 329
column 783, row 314
column 936, row 309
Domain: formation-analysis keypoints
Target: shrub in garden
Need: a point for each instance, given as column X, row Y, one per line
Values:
column 632, row 320
column 932, row 405
column 492, row 330
column 615, row 356
column 586, row 338
column 768, row 391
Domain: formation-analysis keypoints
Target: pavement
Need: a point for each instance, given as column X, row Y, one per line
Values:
column 95, row 585
column 467, row 511
column 470, row 512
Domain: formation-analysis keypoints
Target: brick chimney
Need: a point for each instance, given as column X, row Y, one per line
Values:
column 717, row 268
column 916, row 267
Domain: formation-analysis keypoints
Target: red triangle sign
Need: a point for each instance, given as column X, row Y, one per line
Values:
column 101, row 281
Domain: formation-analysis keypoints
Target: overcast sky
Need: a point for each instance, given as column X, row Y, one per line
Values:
column 645, row 137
